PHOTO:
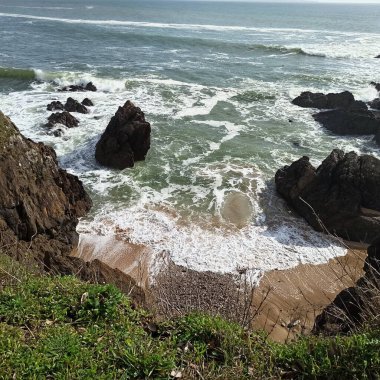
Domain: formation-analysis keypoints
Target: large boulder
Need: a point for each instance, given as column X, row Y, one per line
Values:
column 125, row 140
column 345, row 115
column 73, row 105
column 340, row 197
column 65, row 118
column 319, row 100
column 39, row 203
column 377, row 138
column 349, row 121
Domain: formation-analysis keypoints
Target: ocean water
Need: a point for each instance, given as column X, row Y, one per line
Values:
column 215, row 80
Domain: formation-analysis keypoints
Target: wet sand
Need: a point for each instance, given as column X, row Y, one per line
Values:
column 285, row 303
column 296, row 296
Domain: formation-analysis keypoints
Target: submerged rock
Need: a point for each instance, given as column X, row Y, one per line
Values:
column 125, row 140
column 39, row 202
column 73, row 105
column 64, row 118
column 237, row 209
column 319, row 100
column 340, row 197
column 55, row 105
column 81, row 87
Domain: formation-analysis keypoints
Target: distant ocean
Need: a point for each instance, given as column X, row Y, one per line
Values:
column 216, row 82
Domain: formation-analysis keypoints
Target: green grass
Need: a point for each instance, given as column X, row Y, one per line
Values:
column 63, row 328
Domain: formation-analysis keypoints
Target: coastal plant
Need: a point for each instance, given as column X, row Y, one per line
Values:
column 63, row 328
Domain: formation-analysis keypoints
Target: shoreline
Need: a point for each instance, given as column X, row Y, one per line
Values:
column 284, row 304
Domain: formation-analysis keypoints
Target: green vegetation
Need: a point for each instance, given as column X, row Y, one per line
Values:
column 62, row 328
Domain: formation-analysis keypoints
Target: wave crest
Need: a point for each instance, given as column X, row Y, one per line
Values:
column 13, row 73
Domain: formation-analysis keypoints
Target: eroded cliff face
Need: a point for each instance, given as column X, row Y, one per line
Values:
column 39, row 202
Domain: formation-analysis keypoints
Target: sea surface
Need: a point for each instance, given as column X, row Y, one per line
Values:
column 215, row 80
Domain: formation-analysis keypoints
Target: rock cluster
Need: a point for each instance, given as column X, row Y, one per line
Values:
column 340, row 197
column 344, row 115
column 81, row 87
column 65, row 118
column 126, row 138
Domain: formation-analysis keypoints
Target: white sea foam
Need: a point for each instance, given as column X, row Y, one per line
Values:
column 183, row 26
column 255, row 248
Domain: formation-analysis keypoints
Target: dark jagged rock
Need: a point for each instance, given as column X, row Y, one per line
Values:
column 87, row 102
column 39, row 202
column 375, row 104
column 55, row 105
column 340, row 197
column 330, row 101
column 355, row 121
column 345, row 115
column 75, row 87
column 125, row 140
column 64, row 118
column 354, row 305
column 90, row 87
column 376, row 85
column 378, row 56
column 73, row 105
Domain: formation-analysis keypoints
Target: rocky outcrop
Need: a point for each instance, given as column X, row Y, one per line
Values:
column 39, row 202
column 345, row 115
column 356, row 305
column 87, row 102
column 319, row 100
column 39, row 208
column 65, row 118
column 81, row 87
column 340, row 197
column 55, row 105
column 73, row 105
column 125, row 140
column 349, row 121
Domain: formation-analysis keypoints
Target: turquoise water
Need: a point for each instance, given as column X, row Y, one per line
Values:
column 215, row 80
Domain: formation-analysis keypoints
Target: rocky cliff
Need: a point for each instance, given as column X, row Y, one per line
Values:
column 40, row 204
